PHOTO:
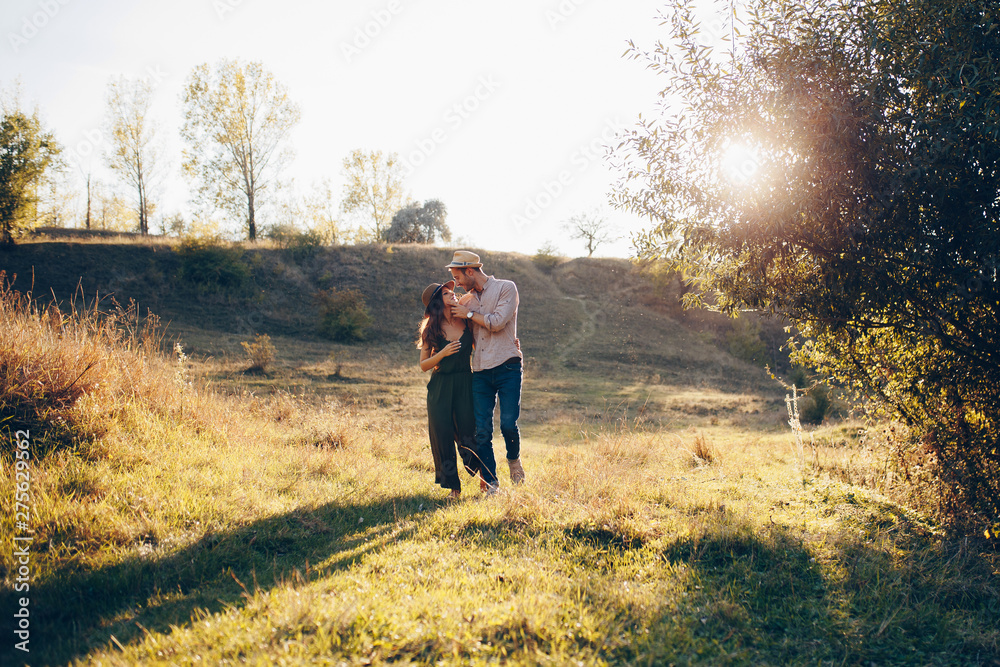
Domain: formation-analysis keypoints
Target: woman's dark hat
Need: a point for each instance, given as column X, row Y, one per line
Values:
column 432, row 290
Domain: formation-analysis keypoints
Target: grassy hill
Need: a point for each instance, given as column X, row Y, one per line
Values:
column 592, row 329
column 184, row 510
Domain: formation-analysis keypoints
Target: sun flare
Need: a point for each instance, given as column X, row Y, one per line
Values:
column 739, row 163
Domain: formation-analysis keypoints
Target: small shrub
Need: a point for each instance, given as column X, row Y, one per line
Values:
column 213, row 267
column 815, row 404
column 816, row 399
column 546, row 258
column 336, row 359
column 744, row 342
column 335, row 438
column 261, row 353
column 300, row 244
column 702, row 450
column 343, row 315
column 799, row 377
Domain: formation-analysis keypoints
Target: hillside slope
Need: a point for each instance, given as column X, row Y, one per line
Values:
column 586, row 311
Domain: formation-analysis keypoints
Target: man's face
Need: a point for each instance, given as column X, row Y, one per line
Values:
column 463, row 279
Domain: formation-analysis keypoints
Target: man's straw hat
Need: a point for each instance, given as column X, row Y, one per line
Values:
column 464, row 259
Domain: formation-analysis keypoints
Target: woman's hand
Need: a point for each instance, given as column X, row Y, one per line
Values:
column 451, row 348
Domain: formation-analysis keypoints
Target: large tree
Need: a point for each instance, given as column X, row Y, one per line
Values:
column 419, row 223
column 26, row 152
column 842, row 168
column 373, row 188
column 237, row 121
column 133, row 153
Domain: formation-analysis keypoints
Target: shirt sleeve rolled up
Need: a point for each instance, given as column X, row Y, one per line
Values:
column 505, row 309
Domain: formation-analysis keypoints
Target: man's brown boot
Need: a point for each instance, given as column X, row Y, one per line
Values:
column 516, row 471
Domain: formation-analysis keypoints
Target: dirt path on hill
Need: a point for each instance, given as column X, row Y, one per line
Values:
column 587, row 328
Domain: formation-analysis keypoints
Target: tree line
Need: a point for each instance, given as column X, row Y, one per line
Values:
column 237, row 122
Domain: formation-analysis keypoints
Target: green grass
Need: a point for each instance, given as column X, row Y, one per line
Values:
column 619, row 550
column 290, row 517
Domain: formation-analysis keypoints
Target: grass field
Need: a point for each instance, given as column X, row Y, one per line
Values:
column 203, row 514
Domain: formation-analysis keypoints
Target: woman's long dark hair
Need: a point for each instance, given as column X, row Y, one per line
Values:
column 430, row 327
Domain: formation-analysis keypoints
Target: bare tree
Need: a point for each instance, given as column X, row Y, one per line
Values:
column 321, row 211
column 591, row 227
column 374, row 187
column 133, row 153
column 89, row 200
column 237, row 120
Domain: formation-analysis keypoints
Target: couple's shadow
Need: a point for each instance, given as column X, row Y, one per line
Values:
column 77, row 609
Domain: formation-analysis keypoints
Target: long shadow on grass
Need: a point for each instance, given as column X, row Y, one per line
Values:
column 740, row 595
column 75, row 611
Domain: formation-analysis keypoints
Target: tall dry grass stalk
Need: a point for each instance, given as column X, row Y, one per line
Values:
column 792, row 405
column 702, row 451
column 62, row 370
column 74, row 375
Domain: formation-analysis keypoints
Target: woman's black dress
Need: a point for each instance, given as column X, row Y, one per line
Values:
column 449, row 414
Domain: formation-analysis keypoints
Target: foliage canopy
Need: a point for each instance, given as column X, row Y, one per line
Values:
column 26, row 152
column 373, row 188
column 416, row 223
column 237, row 120
column 213, row 267
column 842, row 168
column 343, row 315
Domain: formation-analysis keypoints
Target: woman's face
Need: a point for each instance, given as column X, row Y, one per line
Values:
column 448, row 297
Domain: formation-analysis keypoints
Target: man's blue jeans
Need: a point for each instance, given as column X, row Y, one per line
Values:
column 503, row 381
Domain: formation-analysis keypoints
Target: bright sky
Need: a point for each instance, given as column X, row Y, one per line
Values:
column 502, row 109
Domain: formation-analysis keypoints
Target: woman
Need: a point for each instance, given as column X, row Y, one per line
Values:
column 445, row 344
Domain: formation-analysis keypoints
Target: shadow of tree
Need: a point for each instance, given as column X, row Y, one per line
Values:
column 737, row 593
column 760, row 597
column 75, row 611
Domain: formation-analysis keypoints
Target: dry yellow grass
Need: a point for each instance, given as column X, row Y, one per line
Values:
column 268, row 526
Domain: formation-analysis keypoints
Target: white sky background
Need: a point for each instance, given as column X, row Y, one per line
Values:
column 540, row 84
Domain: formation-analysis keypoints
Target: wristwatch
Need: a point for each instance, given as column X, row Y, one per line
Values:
column 469, row 314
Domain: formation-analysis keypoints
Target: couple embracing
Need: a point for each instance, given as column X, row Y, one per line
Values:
column 463, row 390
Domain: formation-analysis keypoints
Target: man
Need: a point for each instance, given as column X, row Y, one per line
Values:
column 491, row 305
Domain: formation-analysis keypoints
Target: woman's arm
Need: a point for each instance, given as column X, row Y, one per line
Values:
column 429, row 361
